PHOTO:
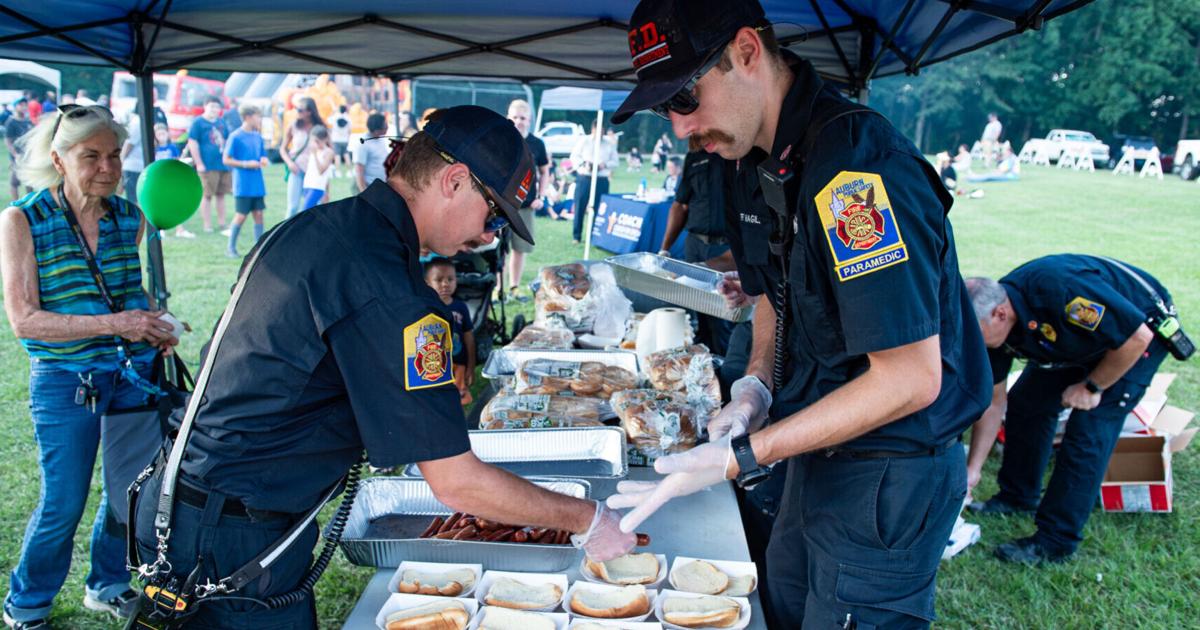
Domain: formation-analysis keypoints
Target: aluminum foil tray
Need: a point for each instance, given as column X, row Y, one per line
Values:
column 390, row 513
column 638, row 272
column 504, row 362
column 578, row 453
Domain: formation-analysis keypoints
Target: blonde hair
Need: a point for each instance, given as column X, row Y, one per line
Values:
column 35, row 166
column 522, row 105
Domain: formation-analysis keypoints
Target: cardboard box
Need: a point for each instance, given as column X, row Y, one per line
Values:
column 1138, row 478
column 1152, row 403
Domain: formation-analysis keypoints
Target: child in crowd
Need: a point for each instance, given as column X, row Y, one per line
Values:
column 247, row 156
column 164, row 149
column 320, row 167
column 634, row 160
column 442, row 278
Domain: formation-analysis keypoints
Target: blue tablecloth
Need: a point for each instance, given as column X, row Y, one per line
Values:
column 628, row 225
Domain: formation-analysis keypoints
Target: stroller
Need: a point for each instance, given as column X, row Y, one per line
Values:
column 479, row 273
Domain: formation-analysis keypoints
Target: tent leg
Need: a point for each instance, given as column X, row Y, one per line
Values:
column 590, row 217
column 396, row 103
column 155, row 266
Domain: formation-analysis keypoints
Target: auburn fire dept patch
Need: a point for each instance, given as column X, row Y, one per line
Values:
column 428, row 347
column 1085, row 313
column 859, row 224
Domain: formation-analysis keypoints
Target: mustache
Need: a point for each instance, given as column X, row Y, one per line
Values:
column 713, row 135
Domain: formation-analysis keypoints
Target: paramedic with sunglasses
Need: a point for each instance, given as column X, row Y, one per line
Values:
column 885, row 365
column 349, row 350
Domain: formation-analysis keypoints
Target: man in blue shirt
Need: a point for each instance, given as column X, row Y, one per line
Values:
column 245, row 154
column 206, row 139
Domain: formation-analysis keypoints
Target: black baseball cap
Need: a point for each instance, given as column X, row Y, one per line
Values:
column 490, row 145
column 669, row 41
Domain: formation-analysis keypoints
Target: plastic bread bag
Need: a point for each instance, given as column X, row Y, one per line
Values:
column 571, row 280
column 611, row 308
column 688, row 370
column 657, row 423
column 551, row 335
column 539, row 411
column 629, row 340
column 572, row 378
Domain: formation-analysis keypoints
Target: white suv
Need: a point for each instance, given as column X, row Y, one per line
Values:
column 560, row 137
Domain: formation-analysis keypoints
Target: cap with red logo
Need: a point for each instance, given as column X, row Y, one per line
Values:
column 490, row 145
column 669, row 41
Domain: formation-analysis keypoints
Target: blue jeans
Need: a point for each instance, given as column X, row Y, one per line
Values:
column 68, row 436
column 295, row 193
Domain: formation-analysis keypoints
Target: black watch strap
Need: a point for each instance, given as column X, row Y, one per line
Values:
column 1091, row 386
column 750, row 473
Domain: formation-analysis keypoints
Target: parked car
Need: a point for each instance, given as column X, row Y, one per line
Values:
column 1187, row 159
column 560, row 137
column 1060, row 140
column 180, row 96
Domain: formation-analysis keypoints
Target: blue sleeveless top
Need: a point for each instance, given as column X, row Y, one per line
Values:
column 65, row 284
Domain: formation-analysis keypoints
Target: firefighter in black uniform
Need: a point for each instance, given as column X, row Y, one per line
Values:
column 699, row 207
column 887, row 366
column 1087, row 326
column 336, row 344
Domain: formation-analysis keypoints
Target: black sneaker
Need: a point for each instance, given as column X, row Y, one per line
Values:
column 1029, row 551
column 120, row 606
column 996, row 505
column 35, row 624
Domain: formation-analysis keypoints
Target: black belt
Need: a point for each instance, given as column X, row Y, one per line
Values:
column 708, row 240
column 197, row 498
column 851, row 453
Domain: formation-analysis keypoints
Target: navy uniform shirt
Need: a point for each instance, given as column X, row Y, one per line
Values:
column 1070, row 310
column 702, row 187
column 337, row 345
column 873, row 267
column 749, row 221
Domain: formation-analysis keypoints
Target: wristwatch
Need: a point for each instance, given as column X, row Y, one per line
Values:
column 750, row 473
column 1091, row 386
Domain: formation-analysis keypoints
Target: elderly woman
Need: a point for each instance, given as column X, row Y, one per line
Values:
column 91, row 341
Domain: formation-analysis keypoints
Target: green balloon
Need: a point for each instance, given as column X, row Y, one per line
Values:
column 169, row 193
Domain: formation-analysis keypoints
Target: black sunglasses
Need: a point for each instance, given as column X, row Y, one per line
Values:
column 73, row 111
column 684, row 101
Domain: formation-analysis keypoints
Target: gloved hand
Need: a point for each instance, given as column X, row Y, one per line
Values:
column 730, row 288
column 749, row 401
column 687, row 472
column 604, row 540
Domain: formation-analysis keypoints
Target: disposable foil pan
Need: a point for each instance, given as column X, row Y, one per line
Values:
column 691, row 286
column 583, row 452
column 390, row 513
column 504, row 362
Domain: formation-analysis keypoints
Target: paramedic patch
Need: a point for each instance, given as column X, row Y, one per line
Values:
column 427, row 351
column 859, row 224
column 1085, row 313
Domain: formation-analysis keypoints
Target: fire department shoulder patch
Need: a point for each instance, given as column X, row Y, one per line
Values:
column 1085, row 313
column 428, row 347
column 859, row 225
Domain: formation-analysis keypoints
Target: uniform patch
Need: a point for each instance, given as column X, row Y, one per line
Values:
column 1049, row 333
column 1085, row 313
column 427, row 351
column 859, row 224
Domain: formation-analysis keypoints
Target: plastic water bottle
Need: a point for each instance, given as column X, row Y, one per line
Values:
column 641, row 191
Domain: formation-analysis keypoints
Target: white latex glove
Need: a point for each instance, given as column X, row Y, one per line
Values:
column 749, row 401
column 605, row 540
column 686, row 472
column 730, row 288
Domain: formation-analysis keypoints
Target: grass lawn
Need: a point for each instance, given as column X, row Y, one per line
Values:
column 1132, row 571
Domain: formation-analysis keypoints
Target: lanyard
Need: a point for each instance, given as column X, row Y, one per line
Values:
column 124, row 356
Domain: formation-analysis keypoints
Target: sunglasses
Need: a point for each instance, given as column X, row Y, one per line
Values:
column 684, row 101
column 495, row 221
column 73, row 111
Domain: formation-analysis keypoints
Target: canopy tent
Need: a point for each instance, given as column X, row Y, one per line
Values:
column 582, row 42
column 31, row 71
column 586, row 99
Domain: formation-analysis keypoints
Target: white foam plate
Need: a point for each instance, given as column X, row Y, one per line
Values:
column 533, row 579
column 728, row 567
column 560, row 619
column 651, row 594
column 610, row 623
column 434, row 567
column 658, row 580
column 665, row 594
column 403, row 601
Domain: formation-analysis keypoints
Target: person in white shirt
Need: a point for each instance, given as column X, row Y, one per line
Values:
column 370, row 154
column 320, row 166
column 339, row 133
column 582, row 158
column 991, row 138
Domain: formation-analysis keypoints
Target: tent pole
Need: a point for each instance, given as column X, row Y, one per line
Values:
column 591, row 212
column 155, row 266
column 396, row 103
